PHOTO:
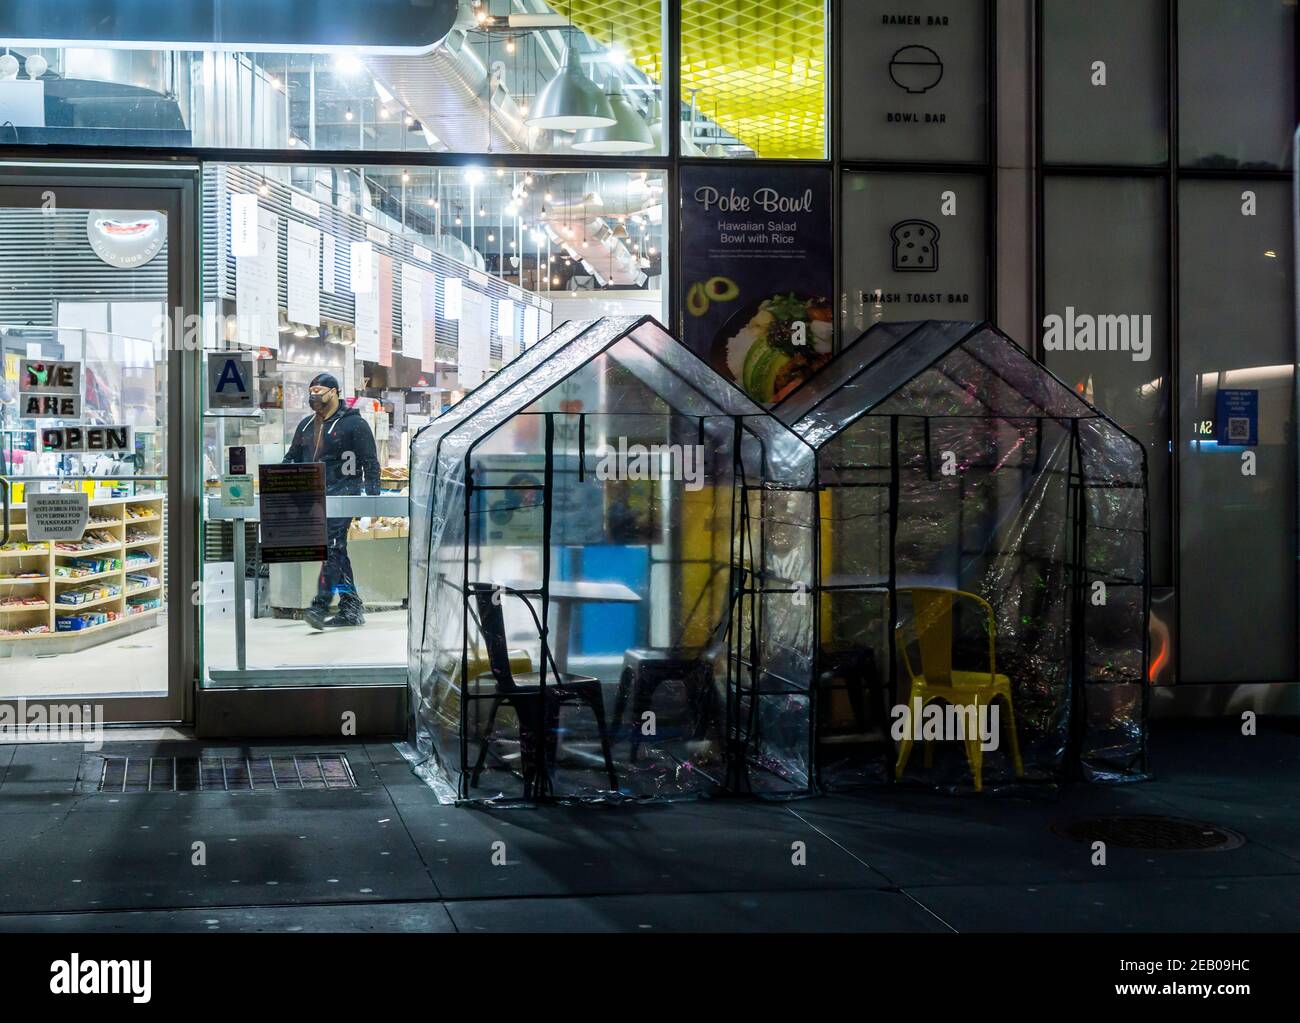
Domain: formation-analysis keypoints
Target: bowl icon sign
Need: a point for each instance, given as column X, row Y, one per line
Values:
column 916, row 68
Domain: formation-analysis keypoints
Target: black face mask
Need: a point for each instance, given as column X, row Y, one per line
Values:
column 316, row 401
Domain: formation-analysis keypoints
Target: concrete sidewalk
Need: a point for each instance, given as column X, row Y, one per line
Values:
column 387, row 857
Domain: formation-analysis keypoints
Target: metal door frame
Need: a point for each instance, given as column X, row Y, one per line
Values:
column 174, row 189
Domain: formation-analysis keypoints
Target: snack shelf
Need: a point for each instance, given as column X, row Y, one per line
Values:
column 108, row 519
column 63, row 580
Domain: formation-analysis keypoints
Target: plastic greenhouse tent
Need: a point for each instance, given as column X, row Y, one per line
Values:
column 573, row 594
column 1009, row 517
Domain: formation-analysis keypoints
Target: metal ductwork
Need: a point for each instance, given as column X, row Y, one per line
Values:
column 593, row 215
column 453, row 93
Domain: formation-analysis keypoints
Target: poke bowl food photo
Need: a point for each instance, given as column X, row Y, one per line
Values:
column 770, row 347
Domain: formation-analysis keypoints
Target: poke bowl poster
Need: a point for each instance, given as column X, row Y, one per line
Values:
column 758, row 273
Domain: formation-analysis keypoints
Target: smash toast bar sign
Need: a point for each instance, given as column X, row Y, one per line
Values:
column 49, row 389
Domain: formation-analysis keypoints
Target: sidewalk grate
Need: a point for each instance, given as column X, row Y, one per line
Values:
column 226, row 774
column 1152, row 832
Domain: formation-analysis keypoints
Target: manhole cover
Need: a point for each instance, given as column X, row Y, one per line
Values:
column 1138, row 832
column 225, row 774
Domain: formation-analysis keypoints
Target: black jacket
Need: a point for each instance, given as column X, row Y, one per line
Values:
column 342, row 432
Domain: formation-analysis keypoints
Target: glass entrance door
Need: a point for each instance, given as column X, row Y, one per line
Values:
column 94, row 564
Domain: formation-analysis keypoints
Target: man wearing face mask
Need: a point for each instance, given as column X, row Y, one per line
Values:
column 336, row 435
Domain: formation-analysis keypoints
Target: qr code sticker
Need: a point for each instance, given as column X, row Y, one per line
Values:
column 1239, row 428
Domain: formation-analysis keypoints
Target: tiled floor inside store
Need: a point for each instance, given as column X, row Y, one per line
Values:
column 133, row 664
column 387, row 857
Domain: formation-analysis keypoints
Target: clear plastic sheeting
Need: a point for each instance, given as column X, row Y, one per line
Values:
column 586, row 530
column 980, row 544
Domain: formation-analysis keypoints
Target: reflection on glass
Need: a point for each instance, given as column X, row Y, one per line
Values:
column 753, row 80
column 1236, row 299
column 473, row 89
column 1105, row 88
column 84, row 615
column 408, row 287
column 1103, row 265
column 1226, row 52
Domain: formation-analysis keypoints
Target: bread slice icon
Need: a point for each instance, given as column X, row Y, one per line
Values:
column 916, row 246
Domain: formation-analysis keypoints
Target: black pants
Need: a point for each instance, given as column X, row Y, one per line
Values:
column 336, row 574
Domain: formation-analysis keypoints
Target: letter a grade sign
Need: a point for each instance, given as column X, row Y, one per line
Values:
column 231, row 383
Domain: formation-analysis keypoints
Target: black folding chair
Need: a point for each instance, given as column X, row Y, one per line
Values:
column 521, row 692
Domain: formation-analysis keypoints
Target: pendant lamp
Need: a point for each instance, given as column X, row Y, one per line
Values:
column 628, row 134
column 571, row 101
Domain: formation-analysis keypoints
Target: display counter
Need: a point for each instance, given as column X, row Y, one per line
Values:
column 379, row 568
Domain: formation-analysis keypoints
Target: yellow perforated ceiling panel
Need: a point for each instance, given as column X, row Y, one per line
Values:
column 758, row 67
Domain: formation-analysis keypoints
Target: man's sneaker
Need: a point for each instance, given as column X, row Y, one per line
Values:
column 314, row 618
column 342, row 621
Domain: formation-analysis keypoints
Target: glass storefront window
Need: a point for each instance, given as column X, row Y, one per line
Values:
column 1225, row 53
column 1105, row 300
column 407, row 286
column 480, row 77
column 1105, row 89
column 917, row 81
column 1236, row 299
column 85, row 615
column 753, row 78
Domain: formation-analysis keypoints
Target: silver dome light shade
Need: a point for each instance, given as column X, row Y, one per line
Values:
column 571, row 101
column 628, row 134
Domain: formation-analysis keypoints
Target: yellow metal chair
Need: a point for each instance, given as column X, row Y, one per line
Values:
column 479, row 673
column 939, row 680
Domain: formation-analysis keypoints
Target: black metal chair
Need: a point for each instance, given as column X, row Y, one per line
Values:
column 521, row 692
column 646, row 668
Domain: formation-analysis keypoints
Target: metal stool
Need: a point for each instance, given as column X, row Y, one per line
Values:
column 646, row 668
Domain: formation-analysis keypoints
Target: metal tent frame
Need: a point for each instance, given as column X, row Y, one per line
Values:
column 890, row 394
column 634, row 377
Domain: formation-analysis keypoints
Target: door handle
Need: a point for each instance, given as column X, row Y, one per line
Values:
column 4, row 490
